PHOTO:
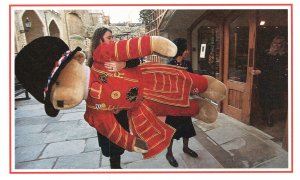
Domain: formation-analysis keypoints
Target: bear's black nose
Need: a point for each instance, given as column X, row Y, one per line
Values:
column 60, row 103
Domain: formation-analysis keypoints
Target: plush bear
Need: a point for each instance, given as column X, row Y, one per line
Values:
column 58, row 78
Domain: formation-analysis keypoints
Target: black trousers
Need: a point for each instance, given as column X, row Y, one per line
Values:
column 108, row 148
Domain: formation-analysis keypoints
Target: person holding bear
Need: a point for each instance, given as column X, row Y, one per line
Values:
column 109, row 149
column 146, row 91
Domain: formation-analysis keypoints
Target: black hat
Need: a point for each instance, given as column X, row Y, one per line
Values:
column 38, row 65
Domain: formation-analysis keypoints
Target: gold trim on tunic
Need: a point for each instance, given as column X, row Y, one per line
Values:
column 140, row 47
column 128, row 49
column 116, row 51
column 151, row 45
column 120, row 135
column 98, row 91
column 112, row 131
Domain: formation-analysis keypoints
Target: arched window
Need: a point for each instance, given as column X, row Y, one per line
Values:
column 53, row 29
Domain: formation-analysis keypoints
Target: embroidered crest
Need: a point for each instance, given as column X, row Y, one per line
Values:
column 132, row 94
column 103, row 78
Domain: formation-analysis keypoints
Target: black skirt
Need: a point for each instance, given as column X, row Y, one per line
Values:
column 183, row 125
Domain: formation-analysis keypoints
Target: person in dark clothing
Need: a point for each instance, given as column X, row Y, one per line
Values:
column 109, row 149
column 183, row 124
column 272, row 68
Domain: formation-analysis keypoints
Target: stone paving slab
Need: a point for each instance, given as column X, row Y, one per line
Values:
column 30, row 139
column 31, row 107
column 79, row 161
column 92, row 145
column 28, row 153
column 37, row 164
column 205, row 160
column 260, row 134
column 224, row 134
column 72, row 116
column 35, row 120
column 151, row 164
column 61, row 126
column 132, row 160
column 81, row 133
column 30, row 113
column 29, row 129
column 63, row 148
column 252, row 151
column 83, row 124
column 56, row 136
column 277, row 162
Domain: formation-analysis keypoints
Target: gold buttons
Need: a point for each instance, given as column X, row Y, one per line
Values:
column 115, row 95
column 103, row 105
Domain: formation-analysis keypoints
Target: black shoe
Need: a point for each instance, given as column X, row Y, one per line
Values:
column 172, row 160
column 190, row 152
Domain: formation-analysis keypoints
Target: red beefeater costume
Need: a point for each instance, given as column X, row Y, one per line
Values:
column 146, row 91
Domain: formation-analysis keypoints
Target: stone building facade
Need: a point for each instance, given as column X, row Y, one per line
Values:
column 74, row 27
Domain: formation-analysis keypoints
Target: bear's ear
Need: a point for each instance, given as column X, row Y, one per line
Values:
column 79, row 56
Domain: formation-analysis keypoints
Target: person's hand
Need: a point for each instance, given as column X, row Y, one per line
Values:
column 114, row 66
column 255, row 72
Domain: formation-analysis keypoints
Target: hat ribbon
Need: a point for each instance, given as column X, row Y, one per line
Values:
column 55, row 68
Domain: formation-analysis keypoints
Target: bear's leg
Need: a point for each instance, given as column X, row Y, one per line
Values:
column 207, row 111
column 216, row 90
column 164, row 109
column 199, row 108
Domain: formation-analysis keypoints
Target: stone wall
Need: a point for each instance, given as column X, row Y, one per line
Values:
column 74, row 27
column 69, row 25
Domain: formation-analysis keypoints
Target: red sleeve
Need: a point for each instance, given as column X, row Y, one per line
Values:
column 123, row 50
column 104, row 53
column 107, row 125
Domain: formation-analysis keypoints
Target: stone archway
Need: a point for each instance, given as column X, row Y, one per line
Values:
column 75, row 23
column 53, row 29
column 76, row 30
column 36, row 25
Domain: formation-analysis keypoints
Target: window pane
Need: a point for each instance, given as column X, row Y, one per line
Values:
column 238, row 49
column 209, row 47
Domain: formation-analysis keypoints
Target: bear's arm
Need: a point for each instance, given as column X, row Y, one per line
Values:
column 123, row 50
column 107, row 125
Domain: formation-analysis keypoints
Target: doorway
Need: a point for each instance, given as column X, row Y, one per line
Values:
column 239, row 43
column 269, row 27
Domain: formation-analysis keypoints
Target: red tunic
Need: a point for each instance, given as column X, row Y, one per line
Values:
column 145, row 91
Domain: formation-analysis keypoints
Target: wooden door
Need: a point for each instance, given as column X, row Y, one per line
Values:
column 239, row 50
